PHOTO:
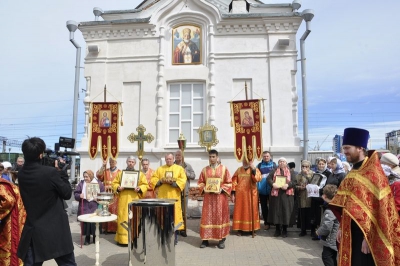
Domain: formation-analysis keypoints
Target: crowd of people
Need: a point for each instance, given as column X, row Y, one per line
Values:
column 352, row 207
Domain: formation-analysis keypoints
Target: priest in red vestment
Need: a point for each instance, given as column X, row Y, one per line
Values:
column 369, row 223
column 215, row 223
column 244, row 194
column 12, row 220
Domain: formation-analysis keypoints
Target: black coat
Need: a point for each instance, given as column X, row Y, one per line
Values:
column 47, row 227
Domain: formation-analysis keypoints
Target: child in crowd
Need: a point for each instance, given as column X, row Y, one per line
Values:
column 329, row 228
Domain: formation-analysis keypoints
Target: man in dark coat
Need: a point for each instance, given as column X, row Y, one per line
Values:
column 46, row 234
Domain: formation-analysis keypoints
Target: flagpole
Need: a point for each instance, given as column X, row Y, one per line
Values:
column 251, row 183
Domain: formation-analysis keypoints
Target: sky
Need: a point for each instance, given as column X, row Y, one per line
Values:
column 353, row 68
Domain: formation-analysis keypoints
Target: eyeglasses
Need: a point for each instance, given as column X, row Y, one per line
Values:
column 305, row 166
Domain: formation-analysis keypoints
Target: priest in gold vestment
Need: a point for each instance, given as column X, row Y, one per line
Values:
column 125, row 196
column 215, row 224
column 170, row 180
column 244, row 194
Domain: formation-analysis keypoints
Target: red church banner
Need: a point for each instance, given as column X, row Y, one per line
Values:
column 104, row 118
column 246, row 120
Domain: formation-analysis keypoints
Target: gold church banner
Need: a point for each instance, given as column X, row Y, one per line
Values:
column 104, row 118
column 246, row 121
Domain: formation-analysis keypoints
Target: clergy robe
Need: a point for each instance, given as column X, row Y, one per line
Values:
column 167, row 191
column 215, row 224
column 125, row 197
column 107, row 178
column 150, row 194
column 365, row 208
column 12, row 217
column 244, row 183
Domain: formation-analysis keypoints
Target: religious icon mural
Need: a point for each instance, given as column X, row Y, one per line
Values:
column 186, row 45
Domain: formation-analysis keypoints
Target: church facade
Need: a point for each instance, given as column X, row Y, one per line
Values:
column 175, row 65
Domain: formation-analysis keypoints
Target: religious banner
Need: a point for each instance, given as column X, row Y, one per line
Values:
column 104, row 118
column 246, row 121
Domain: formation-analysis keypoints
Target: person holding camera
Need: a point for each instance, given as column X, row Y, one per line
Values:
column 46, row 234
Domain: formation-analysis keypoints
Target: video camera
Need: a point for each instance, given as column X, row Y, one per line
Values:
column 50, row 156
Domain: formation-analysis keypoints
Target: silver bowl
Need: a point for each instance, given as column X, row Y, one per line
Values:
column 105, row 199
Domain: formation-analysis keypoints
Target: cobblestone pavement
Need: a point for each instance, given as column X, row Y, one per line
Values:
column 263, row 249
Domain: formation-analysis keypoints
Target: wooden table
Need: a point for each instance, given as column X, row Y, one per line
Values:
column 90, row 218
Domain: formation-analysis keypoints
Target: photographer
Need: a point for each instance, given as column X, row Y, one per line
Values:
column 46, row 234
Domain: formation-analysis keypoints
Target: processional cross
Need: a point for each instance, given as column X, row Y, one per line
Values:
column 140, row 138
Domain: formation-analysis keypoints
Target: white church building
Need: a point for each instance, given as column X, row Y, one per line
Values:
column 138, row 54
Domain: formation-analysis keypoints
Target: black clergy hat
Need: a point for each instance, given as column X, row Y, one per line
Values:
column 356, row 137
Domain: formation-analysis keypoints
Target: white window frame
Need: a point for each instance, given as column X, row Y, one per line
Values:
column 192, row 140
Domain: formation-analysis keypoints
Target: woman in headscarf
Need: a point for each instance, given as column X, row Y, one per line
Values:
column 338, row 173
column 302, row 180
column 281, row 200
column 316, row 203
column 87, row 202
column 346, row 167
column 394, row 182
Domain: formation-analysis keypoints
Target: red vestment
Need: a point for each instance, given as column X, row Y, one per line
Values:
column 364, row 196
column 107, row 178
column 12, row 217
column 150, row 193
column 244, row 183
column 215, row 223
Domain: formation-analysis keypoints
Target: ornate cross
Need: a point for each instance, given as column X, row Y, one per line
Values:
column 140, row 138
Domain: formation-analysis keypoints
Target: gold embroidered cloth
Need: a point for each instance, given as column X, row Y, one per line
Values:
column 104, row 117
column 12, row 217
column 214, row 224
column 365, row 197
column 246, row 119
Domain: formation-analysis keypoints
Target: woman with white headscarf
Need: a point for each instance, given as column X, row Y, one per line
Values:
column 281, row 199
column 394, row 182
column 338, row 172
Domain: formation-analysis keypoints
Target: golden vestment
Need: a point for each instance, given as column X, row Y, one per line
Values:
column 364, row 196
column 167, row 191
column 126, row 196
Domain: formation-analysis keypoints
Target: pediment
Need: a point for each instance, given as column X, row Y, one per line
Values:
column 148, row 8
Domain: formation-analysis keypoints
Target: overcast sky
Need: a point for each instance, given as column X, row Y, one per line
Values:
column 353, row 69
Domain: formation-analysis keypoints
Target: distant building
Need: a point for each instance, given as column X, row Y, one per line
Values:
column 392, row 141
column 337, row 143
